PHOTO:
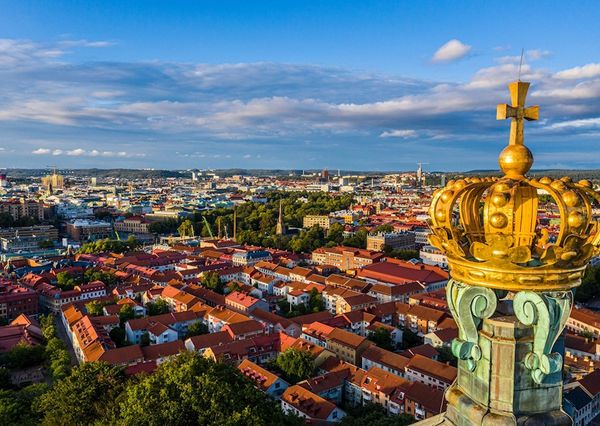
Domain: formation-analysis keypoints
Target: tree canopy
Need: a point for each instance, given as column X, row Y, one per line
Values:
column 196, row 329
column 108, row 245
column 295, row 364
column 590, row 285
column 186, row 229
column 382, row 338
column 194, row 390
column 186, row 390
column 212, row 281
column 374, row 415
column 86, row 397
column 158, row 307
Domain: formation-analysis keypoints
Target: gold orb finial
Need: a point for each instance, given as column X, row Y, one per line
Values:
column 516, row 159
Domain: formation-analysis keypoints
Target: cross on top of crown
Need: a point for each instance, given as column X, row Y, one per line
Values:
column 517, row 111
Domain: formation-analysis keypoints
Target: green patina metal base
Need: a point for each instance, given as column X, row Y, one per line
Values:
column 509, row 372
column 500, row 389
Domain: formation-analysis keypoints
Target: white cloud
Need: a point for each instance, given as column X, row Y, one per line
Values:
column 96, row 107
column 451, row 51
column 41, row 151
column 536, row 54
column 585, row 71
column 80, row 152
column 587, row 123
column 530, row 55
column 86, row 43
column 589, row 89
column 76, row 152
column 405, row 134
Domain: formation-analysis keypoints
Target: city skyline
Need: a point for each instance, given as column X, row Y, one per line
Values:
column 292, row 86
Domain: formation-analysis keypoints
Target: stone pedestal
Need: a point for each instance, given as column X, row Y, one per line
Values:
column 501, row 390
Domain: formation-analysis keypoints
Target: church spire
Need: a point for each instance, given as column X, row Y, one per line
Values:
column 280, row 230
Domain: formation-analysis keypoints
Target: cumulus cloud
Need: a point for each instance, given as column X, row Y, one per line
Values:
column 587, row 123
column 80, row 152
column 86, row 43
column 41, row 151
column 451, row 51
column 536, row 54
column 585, row 71
column 404, row 134
column 97, row 110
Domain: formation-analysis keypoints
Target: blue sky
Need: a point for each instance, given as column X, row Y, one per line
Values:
column 370, row 85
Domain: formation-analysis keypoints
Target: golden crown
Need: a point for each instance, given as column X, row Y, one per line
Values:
column 488, row 227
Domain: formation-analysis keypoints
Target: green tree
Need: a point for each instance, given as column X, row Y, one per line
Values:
column 65, row 281
column 60, row 360
column 308, row 240
column 48, row 328
column 56, row 351
column 109, row 246
column 18, row 407
column 359, row 239
column 382, row 338
column 46, row 244
column 336, row 233
column 145, row 339
column 186, row 229
column 386, row 227
column 94, row 308
column 23, row 356
column 6, row 220
column 5, row 382
column 194, row 390
column 316, row 302
column 196, row 329
column 126, row 313
column 107, row 278
column 374, row 415
column 160, row 306
column 295, row 364
column 118, row 336
column 86, row 397
column 212, row 281
column 446, row 356
column 402, row 254
column 590, row 285
column 167, row 226
column 410, row 339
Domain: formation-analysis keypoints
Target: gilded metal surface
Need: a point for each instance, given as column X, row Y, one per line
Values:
column 488, row 226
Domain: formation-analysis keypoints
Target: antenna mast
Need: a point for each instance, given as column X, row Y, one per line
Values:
column 521, row 64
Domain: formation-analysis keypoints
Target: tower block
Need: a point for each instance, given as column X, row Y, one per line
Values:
column 511, row 286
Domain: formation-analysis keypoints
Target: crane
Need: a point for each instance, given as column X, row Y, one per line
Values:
column 208, row 227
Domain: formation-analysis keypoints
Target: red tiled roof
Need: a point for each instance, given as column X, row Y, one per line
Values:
column 308, row 403
column 400, row 272
column 430, row 367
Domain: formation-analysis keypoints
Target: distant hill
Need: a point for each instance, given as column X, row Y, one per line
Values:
column 154, row 174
